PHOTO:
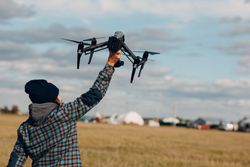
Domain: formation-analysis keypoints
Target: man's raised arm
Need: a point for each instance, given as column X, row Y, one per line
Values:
column 79, row 107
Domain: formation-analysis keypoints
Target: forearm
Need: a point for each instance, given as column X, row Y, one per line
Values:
column 103, row 80
column 99, row 88
column 76, row 109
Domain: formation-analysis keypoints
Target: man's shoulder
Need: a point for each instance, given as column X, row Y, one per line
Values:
column 22, row 129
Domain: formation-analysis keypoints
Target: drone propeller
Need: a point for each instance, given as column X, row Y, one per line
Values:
column 144, row 59
column 93, row 43
column 70, row 40
column 149, row 52
column 90, row 39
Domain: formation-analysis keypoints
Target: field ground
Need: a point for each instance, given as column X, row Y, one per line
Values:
column 131, row 146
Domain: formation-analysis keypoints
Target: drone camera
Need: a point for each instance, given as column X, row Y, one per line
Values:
column 114, row 44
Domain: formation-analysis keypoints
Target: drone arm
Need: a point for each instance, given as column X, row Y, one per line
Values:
column 127, row 50
column 142, row 62
column 127, row 56
column 93, row 47
column 89, row 52
column 100, row 49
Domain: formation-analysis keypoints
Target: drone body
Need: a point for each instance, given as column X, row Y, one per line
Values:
column 114, row 43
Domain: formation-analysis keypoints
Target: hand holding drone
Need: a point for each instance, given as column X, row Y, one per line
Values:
column 114, row 58
column 114, row 44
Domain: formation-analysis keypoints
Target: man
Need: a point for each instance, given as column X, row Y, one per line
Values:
column 49, row 136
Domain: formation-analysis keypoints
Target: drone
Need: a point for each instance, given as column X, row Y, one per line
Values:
column 114, row 43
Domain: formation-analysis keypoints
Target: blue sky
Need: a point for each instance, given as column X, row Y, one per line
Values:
column 203, row 69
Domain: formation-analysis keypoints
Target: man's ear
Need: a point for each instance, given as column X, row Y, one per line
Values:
column 58, row 100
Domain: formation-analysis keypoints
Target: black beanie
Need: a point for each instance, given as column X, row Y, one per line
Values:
column 41, row 91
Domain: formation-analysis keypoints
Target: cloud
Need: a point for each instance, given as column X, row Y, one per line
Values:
column 155, row 39
column 58, row 65
column 239, row 30
column 36, row 51
column 239, row 103
column 15, row 51
column 237, row 48
column 231, row 20
column 162, row 89
column 237, row 42
column 227, row 83
column 10, row 9
column 244, row 65
column 185, row 10
column 52, row 33
column 55, row 31
column 192, row 99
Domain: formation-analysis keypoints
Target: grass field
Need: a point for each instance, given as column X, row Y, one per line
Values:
column 131, row 146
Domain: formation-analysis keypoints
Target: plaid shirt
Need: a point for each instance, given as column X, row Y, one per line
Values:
column 55, row 142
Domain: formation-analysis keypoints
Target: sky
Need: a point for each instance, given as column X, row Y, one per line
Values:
column 203, row 69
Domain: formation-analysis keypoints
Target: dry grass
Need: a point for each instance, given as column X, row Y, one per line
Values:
column 130, row 146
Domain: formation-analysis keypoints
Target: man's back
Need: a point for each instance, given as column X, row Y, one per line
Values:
column 54, row 142
column 49, row 136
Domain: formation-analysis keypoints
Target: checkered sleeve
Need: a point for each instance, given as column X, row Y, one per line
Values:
column 18, row 156
column 79, row 107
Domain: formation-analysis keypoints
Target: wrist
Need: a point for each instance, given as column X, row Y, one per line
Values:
column 109, row 67
column 111, row 63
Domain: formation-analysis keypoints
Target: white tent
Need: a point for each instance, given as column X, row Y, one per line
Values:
column 113, row 119
column 153, row 123
column 127, row 118
column 98, row 116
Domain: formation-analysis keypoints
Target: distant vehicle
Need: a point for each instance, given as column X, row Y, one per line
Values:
column 244, row 124
column 206, row 123
column 169, row 121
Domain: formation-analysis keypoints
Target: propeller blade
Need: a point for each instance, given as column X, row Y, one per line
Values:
column 152, row 60
column 70, row 40
column 138, row 51
column 90, row 57
column 90, row 39
column 153, row 53
column 149, row 52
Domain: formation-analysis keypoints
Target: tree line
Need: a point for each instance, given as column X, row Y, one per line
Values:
column 13, row 110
